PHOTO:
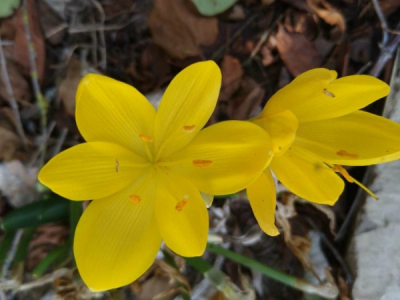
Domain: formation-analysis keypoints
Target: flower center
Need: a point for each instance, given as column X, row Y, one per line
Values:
column 282, row 128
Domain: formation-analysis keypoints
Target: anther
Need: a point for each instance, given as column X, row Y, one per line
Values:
column 350, row 179
column 189, row 128
column 344, row 153
column 181, row 204
column 200, row 163
column 344, row 173
column 135, row 199
column 145, row 138
column 328, row 93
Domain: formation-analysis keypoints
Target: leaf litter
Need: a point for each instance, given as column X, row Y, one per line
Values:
column 259, row 45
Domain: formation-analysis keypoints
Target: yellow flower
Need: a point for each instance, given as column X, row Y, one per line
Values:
column 146, row 169
column 316, row 126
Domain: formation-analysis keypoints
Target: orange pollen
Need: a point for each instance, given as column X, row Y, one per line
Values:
column 135, row 199
column 344, row 153
column 344, row 173
column 179, row 207
column 200, row 163
column 145, row 138
column 189, row 128
column 329, row 94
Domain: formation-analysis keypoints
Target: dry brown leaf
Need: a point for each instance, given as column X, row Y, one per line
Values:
column 177, row 27
column 232, row 73
column 69, row 86
column 21, row 52
column 19, row 84
column 298, row 53
column 9, row 144
column 47, row 238
column 328, row 13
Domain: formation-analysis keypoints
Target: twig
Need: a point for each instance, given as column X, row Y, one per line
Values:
column 60, row 141
column 11, row 253
column 103, row 49
column 382, row 19
column 40, row 100
column 11, row 96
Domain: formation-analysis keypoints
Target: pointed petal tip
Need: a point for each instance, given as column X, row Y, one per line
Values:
column 271, row 230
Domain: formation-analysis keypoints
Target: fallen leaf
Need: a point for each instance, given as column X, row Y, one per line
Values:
column 9, row 144
column 328, row 13
column 298, row 53
column 213, row 7
column 68, row 87
column 21, row 48
column 179, row 29
column 232, row 73
column 7, row 7
column 19, row 84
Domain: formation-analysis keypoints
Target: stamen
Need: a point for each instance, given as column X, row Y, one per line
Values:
column 200, row 163
column 344, row 153
column 350, row 179
column 189, row 128
column 116, row 165
column 343, row 171
column 181, row 204
column 146, row 138
column 328, row 93
column 135, row 199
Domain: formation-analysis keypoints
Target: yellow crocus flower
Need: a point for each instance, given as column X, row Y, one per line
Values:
column 316, row 127
column 145, row 170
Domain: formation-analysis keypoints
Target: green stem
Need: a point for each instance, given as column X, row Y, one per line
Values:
column 170, row 260
column 327, row 290
column 219, row 279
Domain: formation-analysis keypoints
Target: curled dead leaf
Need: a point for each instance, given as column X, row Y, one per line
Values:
column 328, row 13
column 177, row 27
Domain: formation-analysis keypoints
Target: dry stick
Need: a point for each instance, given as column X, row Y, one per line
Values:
column 11, row 253
column 103, row 49
column 385, row 56
column 382, row 19
column 11, row 96
column 40, row 100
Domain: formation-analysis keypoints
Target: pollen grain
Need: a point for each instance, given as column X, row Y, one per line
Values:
column 181, row 204
column 201, row 163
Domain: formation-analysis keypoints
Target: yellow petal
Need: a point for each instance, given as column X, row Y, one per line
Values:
column 359, row 138
column 281, row 128
column 92, row 170
column 262, row 198
column 186, row 106
column 307, row 177
column 224, row 158
column 116, row 239
column 111, row 111
column 316, row 95
column 181, row 215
